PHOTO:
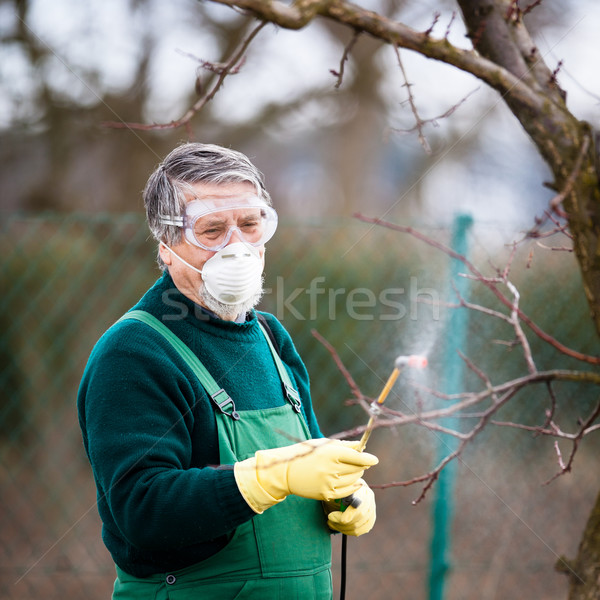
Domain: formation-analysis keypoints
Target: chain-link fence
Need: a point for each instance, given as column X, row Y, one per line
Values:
column 372, row 294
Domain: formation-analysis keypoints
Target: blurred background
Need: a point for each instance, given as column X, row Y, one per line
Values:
column 77, row 254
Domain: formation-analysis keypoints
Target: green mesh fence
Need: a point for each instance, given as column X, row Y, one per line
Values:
column 372, row 294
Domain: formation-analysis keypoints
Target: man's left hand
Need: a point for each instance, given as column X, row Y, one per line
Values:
column 353, row 521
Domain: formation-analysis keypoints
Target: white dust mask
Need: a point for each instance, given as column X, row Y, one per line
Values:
column 233, row 275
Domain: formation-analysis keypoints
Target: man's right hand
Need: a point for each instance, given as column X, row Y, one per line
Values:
column 321, row 469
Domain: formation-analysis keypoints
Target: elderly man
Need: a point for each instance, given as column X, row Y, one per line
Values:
column 213, row 478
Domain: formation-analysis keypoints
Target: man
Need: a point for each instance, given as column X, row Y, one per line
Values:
column 213, row 478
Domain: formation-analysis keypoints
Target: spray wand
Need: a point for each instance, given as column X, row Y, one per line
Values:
column 413, row 361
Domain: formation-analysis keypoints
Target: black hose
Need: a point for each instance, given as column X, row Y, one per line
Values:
column 343, row 576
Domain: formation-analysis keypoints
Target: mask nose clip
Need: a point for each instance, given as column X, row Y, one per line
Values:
column 237, row 254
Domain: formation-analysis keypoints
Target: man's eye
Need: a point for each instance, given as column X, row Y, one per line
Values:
column 250, row 225
column 212, row 232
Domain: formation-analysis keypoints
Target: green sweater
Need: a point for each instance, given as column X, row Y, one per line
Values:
column 150, row 433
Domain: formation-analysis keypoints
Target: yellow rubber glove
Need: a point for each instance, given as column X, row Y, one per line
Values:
column 320, row 469
column 353, row 521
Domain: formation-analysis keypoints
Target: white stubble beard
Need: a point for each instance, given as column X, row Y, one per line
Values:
column 228, row 312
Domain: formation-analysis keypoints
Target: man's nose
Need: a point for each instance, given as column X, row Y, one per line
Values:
column 236, row 236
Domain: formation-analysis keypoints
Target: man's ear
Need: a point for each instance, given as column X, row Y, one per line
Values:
column 165, row 254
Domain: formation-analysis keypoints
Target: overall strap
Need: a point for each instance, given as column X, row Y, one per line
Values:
column 218, row 395
column 290, row 391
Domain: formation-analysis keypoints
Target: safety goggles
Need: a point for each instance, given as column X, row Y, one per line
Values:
column 209, row 223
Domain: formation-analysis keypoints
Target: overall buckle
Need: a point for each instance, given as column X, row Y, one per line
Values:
column 294, row 398
column 226, row 405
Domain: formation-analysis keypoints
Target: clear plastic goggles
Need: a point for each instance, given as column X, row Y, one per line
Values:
column 209, row 223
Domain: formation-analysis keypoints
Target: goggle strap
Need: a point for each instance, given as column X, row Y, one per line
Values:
column 167, row 220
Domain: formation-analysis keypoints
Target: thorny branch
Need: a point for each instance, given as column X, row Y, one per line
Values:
column 298, row 14
column 413, row 107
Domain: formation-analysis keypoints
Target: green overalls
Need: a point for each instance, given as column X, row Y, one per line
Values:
column 284, row 553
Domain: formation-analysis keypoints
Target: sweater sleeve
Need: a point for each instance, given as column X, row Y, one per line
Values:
column 295, row 366
column 138, row 426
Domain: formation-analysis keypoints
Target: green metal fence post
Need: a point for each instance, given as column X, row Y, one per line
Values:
column 456, row 334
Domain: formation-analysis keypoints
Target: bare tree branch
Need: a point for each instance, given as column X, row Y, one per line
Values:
column 299, row 14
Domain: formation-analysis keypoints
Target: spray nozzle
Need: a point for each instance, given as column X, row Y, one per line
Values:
column 375, row 408
column 416, row 361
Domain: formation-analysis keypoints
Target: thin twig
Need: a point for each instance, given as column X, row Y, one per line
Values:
column 515, row 322
column 419, row 123
column 555, row 248
column 340, row 74
column 462, row 303
column 559, row 198
column 559, row 227
column 584, row 430
column 447, row 34
column 473, row 367
column 509, row 262
column 433, row 121
column 551, row 412
column 533, row 5
column 436, row 18
column 232, row 65
column 338, row 361
column 213, row 67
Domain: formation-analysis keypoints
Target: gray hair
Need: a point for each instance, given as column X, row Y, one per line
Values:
column 186, row 165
